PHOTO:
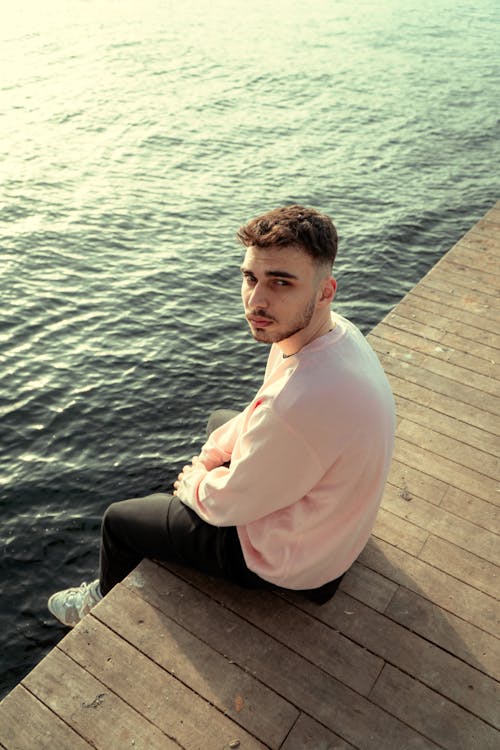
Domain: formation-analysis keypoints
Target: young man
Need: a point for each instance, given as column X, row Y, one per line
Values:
column 285, row 493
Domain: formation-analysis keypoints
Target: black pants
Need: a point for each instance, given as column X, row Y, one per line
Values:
column 161, row 527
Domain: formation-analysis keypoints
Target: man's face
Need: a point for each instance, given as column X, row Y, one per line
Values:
column 280, row 292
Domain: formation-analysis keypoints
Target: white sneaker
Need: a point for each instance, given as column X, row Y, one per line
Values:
column 70, row 605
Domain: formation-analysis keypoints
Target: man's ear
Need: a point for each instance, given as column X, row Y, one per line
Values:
column 328, row 289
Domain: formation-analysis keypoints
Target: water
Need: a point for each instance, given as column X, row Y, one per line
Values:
column 135, row 138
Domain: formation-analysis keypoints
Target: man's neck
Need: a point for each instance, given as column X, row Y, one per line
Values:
column 295, row 343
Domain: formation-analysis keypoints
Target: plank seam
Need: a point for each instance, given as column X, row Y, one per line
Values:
column 402, row 313
column 54, row 713
column 469, row 552
column 446, row 572
column 452, row 281
column 445, row 413
column 401, row 586
column 460, row 267
column 410, row 523
column 435, row 692
column 459, row 465
column 430, row 292
column 387, row 659
column 119, row 698
column 384, row 660
column 445, row 510
column 422, row 422
column 220, row 603
column 423, row 355
column 293, row 727
column 390, row 324
column 460, row 443
column 176, row 677
column 421, row 594
column 421, row 303
column 465, row 256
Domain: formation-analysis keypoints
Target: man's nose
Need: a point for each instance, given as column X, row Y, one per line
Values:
column 258, row 297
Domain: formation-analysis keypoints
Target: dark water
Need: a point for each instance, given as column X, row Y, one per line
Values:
column 134, row 140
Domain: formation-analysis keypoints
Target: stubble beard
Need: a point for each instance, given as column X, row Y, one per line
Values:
column 301, row 322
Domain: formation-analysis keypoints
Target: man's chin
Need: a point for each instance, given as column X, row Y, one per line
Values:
column 262, row 335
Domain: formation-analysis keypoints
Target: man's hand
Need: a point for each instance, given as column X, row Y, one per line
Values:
column 186, row 470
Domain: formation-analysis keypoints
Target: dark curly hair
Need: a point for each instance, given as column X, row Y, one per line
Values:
column 293, row 225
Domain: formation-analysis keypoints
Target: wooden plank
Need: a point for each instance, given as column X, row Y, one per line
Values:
column 488, row 252
column 458, row 562
column 307, row 734
column 386, row 338
column 431, row 714
column 214, row 676
column 439, row 587
column 413, row 482
column 463, row 303
column 96, row 713
column 485, row 230
column 396, row 531
column 428, row 331
column 450, row 447
column 303, row 634
column 448, row 426
column 368, row 586
column 414, row 380
column 439, row 336
column 488, row 225
column 450, row 632
column 444, row 673
column 440, row 361
column 479, row 244
column 449, row 471
column 460, row 278
column 472, row 259
column 459, row 297
column 491, row 238
column 158, row 696
column 489, row 282
column 444, row 524
column 460, row 300
column 23, row 718
column 417, row 309
column 467, row 506
column 448, row 406
column 321, row 696
column 493, row 214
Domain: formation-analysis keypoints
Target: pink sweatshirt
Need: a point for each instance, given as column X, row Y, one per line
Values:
column 309, row 460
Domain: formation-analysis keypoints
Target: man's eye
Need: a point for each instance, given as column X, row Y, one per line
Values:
column 282, row 282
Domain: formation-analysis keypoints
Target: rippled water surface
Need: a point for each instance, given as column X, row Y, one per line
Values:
column 135, row 138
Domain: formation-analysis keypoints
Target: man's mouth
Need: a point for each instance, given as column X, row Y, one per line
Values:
column 258, row 322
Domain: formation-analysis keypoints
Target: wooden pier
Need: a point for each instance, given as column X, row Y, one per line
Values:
column 406, row 655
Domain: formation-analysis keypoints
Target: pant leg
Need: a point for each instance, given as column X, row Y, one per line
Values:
column 161, row 527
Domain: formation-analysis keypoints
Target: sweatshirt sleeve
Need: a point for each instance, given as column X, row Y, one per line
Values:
column 219, row 446
column 274, row 468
